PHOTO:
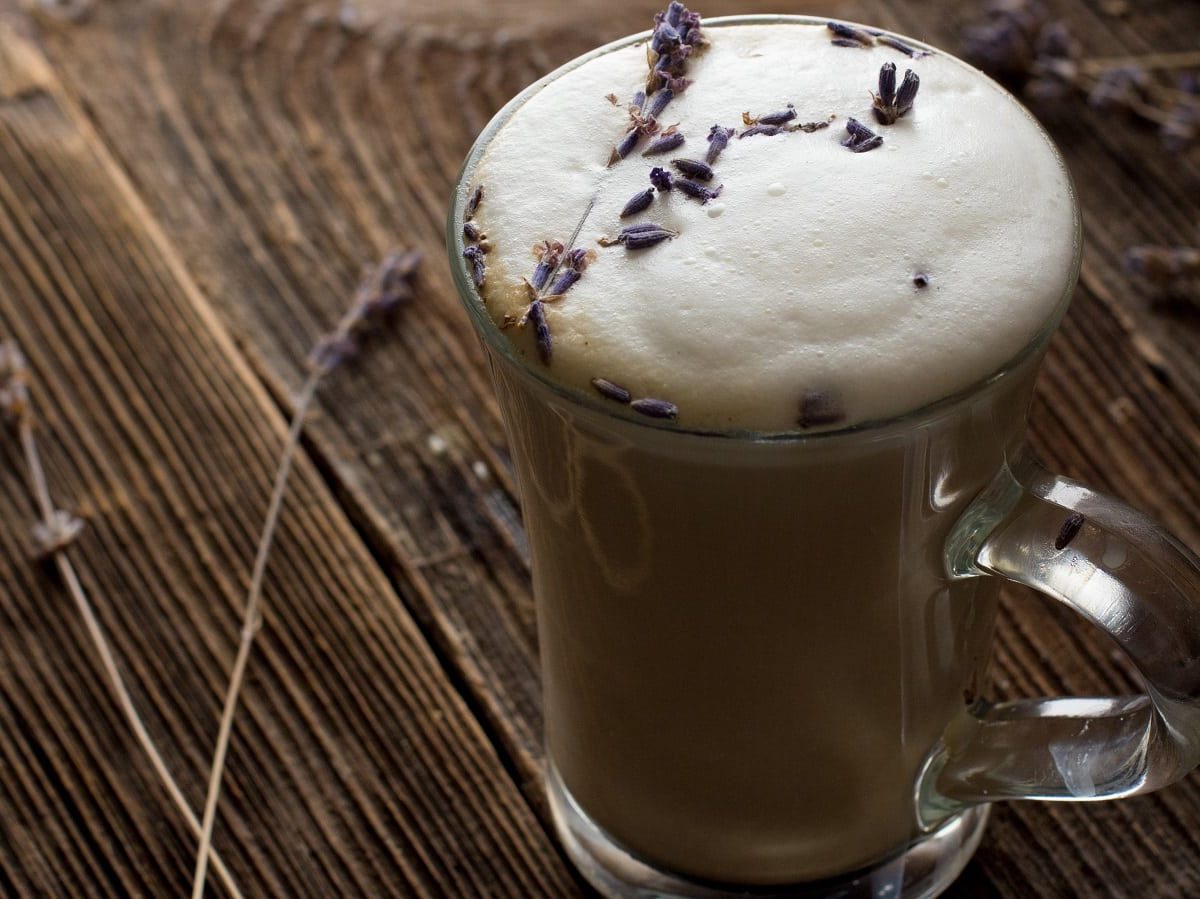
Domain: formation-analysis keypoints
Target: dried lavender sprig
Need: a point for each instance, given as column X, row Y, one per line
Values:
column 693, row 168
column 718, row 140
column 609, row 390
column 473, row 202
column 370, row 298
column 471, row 232
column 639, row 236
column 474, row 255
column 655, row 408
column 664, row 144
column 860, row 138
column 854, row 37
column 891, row 104
column 53, row 533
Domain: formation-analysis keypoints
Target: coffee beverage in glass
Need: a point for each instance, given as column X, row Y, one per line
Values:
column 765, row 300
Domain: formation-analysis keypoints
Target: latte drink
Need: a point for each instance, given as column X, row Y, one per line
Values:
column 758, row 345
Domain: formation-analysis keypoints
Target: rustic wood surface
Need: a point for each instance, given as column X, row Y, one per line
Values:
column 187, row 193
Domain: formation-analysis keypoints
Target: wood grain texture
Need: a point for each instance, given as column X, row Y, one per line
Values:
column 276, row 146
column 356, row 767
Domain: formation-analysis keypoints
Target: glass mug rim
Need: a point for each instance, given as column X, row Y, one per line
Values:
column 500, row 347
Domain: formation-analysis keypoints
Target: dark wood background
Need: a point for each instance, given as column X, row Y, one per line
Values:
column 187, row 193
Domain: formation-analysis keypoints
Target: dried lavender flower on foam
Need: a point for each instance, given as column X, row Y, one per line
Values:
column 818, row 408
column 655, row 408
column 609, row 390
column 849, row 36
column 896, row 44
column 639, row 236
column 718, row 140
column 474, row 255
column 573, row 268
column 664, row 144
column 473, row 202
column 638, row 203
column 891, row 104
column 541, row 331
column 779, row 117
column 693, row 168
column 697, row 191
column 549, row 254
column 860, row 138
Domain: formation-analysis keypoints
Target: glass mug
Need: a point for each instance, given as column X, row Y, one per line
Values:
column 764, row 655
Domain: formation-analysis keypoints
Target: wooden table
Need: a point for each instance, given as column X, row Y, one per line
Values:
column 187, row 193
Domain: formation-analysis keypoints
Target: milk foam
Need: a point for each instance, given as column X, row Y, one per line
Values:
column 799, row 276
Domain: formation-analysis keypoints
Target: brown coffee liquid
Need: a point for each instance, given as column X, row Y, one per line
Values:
column 749, row 648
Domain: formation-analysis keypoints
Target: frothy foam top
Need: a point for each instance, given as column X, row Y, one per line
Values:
column 798, row 279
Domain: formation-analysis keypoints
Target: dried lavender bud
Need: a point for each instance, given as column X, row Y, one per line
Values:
column 818, row 408
column 861, row 138
column 673, row 15
column 1069, row 531
column 1180, row 131
column 14, row 382
column 768, row 130
column 565, row 281
column 897, row 44
column 474, row 255
column 890, row 104
column 665, row 38
column 887, row 86
column 638, row 202
column 846, row 42
column 664, row 144
column 609, row 390
column 331, row 350
column 541, row 331
column 639, row 101
column 548, row 252
column 473, row 202
column 661, row 179
column 693, row 169
column 920, row 280
column 471, row 232
column 1055, row 40
column 696, row 190
column 659, row 102
column 718, row 139
column 655, row 408
column 646, row 239
column 779, row 117
column 855, row 37
column 1122, row 86
column 625, row 146
column 639, row 236
column 1162, row 265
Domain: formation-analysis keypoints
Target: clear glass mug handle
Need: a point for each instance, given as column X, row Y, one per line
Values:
column 1124, row 573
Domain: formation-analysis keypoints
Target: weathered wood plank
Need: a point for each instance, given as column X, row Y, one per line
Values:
column 356, row 767
column 316, row 138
